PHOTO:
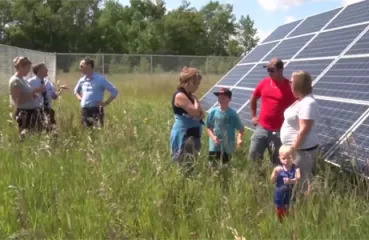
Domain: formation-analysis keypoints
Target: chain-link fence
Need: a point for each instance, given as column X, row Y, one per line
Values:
column 8, row 53
column 145, row 64
column 64, row 63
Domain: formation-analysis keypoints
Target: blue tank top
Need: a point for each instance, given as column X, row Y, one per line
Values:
column 286, row 174
column 283, row 192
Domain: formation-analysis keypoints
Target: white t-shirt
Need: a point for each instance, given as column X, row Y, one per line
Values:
column 308, row 109
column 35, row 82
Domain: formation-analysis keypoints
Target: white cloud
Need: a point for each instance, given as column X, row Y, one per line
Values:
column 273, row 5
column 262, row 34
column 347, row 2
column 289, row 19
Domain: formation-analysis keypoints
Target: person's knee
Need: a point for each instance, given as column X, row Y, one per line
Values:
column 257, row 148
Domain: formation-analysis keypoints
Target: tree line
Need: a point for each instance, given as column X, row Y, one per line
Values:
column 143, row 27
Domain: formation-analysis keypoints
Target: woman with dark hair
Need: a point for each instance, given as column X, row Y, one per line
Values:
column 185, row 138
column 22, row 96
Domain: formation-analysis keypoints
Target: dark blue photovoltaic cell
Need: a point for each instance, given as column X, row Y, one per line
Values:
column 348, row 78
column 331, row 43
column 354, row 148
column 254, row 77
column 314, row 67
column 335, row 119
column 288, row 48
column 282, row 31
column 314, row 23
column 355, row 13
column 235, row 74
column 258, row 53
column 245, row 115
column 209, row 99
column 361, row 46
column 239, row 98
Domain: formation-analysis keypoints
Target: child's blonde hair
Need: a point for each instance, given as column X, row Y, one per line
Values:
column 286, row 149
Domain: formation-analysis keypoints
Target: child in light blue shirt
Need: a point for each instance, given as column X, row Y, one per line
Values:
column 222, row 124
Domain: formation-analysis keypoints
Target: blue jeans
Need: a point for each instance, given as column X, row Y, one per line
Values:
column 261, row 140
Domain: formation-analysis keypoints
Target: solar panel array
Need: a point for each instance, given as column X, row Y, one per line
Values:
column 334, row 48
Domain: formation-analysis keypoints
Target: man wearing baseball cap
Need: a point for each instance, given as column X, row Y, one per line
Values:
column 221, row 125
column 276, row 96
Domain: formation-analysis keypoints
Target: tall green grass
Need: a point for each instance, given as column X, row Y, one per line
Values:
column 120, row 183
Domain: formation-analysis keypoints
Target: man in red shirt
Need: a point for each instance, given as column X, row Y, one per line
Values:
column 276, row 96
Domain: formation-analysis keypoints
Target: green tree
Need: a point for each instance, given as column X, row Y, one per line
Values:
column 220, row 24
column 143, row 26
column 247, row 33
column 234, row 48
column 184, row 31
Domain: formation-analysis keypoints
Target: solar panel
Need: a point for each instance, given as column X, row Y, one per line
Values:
column 348, row 78
column 355, row 13
column 288, row 48
column 361, row 47
column 245, row 114
column 281, row 32
column 336, row 119
column 337, row 59
column 238, row 98
column 254, row 77
column 314, row 23
column 209, row 99
column 355, row 147
column 258, row 53
column 232, row 77
column 331, row 43
column 314, row 67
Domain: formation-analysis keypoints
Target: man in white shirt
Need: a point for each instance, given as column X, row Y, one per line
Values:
column 44, row 100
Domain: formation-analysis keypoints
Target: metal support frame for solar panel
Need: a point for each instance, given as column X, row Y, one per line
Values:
column 352, row 44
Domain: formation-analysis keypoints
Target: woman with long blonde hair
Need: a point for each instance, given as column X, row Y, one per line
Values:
column 185, row 138
column 22, row 96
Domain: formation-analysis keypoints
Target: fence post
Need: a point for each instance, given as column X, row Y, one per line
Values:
column 103, row 64
column 55, row 65
column 207, row 68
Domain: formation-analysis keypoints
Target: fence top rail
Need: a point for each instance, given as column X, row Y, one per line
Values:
column 25, row 49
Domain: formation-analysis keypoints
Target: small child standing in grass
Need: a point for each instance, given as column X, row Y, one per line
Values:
column 285, row 177
column 222, row 123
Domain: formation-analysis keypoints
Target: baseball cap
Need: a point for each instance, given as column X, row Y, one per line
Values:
column 278, row 64
column 224, row 91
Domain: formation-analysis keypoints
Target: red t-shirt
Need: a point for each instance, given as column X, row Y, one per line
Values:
column 275, row 99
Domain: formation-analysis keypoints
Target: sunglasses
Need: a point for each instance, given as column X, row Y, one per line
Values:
column 271, row 70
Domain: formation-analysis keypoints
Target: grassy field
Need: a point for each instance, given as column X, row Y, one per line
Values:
column 120, row 183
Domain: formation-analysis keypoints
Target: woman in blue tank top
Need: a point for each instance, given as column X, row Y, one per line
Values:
column 185, row 137
column 285, row 178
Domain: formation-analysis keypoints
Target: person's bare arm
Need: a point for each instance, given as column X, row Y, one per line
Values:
column 304, row 128
column 254, row 102
column 274, row 176
column 253, row 108
column 296, row 179
column 213, row 136
column 193, row 109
